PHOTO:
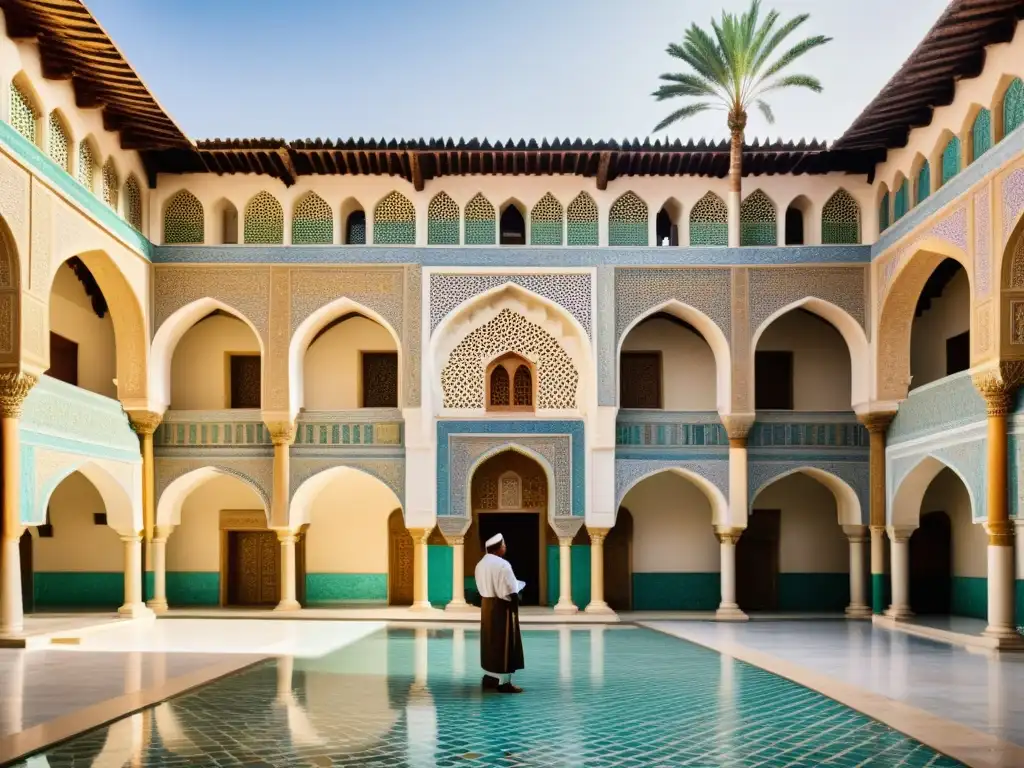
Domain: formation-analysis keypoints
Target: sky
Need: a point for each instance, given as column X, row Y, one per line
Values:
column 471, row 68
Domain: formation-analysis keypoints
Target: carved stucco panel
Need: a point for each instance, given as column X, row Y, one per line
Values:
column 378, row 289
column 38, row 271
column 51, row 467
column 276, row 360
column 258, row 473
column 14, row 207
column 740, row 342
column 391, row 472
column 637, row 291
column 412, row 334
column 982, row 336
column 35, row 347
column 967, row 459
column 856, row 474
column 629, row 471
column 1013, row 201
column 246, row 289
column 771, row 289
column 952, row 229
column 607, row 389
column 8, row 325
column 982, row 244
column 1017, row 323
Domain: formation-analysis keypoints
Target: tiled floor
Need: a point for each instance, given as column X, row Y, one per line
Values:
column 410, row 696
column 981, row 690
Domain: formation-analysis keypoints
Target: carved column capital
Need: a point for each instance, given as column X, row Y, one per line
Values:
column 1000, row 533
column 420, row 534
column 281, row 432
column 145, row 422
column 728, row 535
column 900, row 534
column 286, row 536
column 877, row 421
column 856, row 534
column 998, row 384
column 455, row 541
column 132, row 538
column 161, row 533
column 565, row 541
column 597, row 535
column 737, row 426
column 14, row 388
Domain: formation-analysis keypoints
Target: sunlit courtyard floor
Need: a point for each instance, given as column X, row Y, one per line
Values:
column 364, row 693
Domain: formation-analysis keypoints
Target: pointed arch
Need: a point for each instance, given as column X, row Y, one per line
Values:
column 312, row 221
column 980, row 135
column 59, row 143
column 133, row 202
column 124, row 513
column 304, row 496
column 540, row 460
column 758, row 220
column 711, row 333
column 1012, row 107
column 841, row 220
column 629, row 221
column 849, row 509
column 907, row 496
column 797, row 221
column 851, row 331
column 307, row 330
column 443, row 220
column 184, row 219
column 582, row 221
column 25, row 109
column 263, row 220
column 719, row 504
column 481, row 223
column 394, row 220
column 170, row 332
column 709, row 222
column 353, row 222
column 111, row 183
column 171, row 499
column 546, row 221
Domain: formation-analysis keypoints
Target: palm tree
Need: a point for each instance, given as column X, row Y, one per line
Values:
column 731, row 71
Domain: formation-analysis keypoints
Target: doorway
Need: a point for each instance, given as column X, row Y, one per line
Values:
column 254, row 568
column 521, row 531
column 931, row 565
column 757, row 562
column 400, row 561
column 618, row 563
column 28, row 591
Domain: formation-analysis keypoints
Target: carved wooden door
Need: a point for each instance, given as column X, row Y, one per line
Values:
column 618, row 571
column 256, row 568
column 400, row 561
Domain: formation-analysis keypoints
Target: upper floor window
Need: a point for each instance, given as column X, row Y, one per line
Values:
column 380, row 379
column 546, row 221
column 709, row 221
column 758, row 220
column 86, row 166
column 513, row 226
column 312, row 221
column 355, row 228
column 443, row 220
column 640, row 380
column 133, row 203
column 264, row 220
column 840, row 220
column 901, row 203
column 394, row 221
column 111, row 184
column 24, row 115
column 883, row 213
column 510, row 384
column 981, row 134
column 627, row 221
column 59, row 147
column 1013, row 106
column 951, row 159
column 581, row 224
column 924, row 182
column 183, row 219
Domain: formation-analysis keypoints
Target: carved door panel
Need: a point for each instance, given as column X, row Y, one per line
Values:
column 270, row 588
column 255, row 568
column 618, row 570
column 400, row 561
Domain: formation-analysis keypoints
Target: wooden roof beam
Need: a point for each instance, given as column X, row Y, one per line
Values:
column 290, row 174
column 415, row 171
column 603, row 164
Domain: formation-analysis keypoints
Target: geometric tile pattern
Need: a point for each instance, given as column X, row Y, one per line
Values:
column 546, row 221
column 264, row 220
column 394, row 220
column 582, row 225
column 183, row 219
column 60, row 145
column 761, row 474
column 480, row 221
column 840, row 220
column 442, row 221
column 86, row 165
column 708, row 291
column 630, row 698
column 133, row 202
column 946, row 405
column 714, row 470
column 111, row 184
column 23, row 118
column 757, row 220
column 709, row 221
column 312, row 221
column 628, row 221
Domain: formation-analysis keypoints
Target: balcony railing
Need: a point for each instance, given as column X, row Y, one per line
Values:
column 672, row 429
column 367, row 426
column 212, row 429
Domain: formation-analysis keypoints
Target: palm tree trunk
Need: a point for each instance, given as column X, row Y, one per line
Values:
column 735, row 179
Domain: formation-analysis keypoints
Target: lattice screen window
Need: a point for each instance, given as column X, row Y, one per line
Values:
column 901, row 202
column 380, row 379
column 883, row 213
column 1013, row 106
column 522, row 387
column 582, row 221
column 923, row 185
column 840, row 220
column 546, row 221
column 510, row 384
column 709, row 221
column 133, row 202
column 264, row 220
column 312, row 221
column 442, row 220
column 628, row 221
column 951, row 159
column 86, row 166
column 758, row 222
column 183, row 219
column 510, row 491
column 24, row 115
column 481, row 221
column 499, row 392
column 981, row 134
column 59, row 147
column 535, row 492
column 111, row 184
column 355, row 228
column 640, row 380
column 394, row 221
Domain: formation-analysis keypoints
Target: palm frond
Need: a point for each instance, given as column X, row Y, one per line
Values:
column 769, row 46
column 793, row 54
column 766, row 110
column 708, row 68
column 791, row 81
column 684, row 84
column 702, row 47
column 681, row 114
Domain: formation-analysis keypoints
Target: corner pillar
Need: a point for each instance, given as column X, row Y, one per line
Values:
column 14, row 388
column 900, row 551
column 458, row 601
column 420, row 574
column 133, row 606
column 145, row 424
column 998, row 385
column 858, row 607
column 158, row 603
column 287, row 540
column 877, row 425
column 282, row 435
column 728, row 609
column 597, row 603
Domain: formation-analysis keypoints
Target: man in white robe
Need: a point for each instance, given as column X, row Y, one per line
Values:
column 501, row 644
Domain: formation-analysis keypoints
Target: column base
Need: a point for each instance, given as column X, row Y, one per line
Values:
column 288, row 605
column 157, row 606
column 570, row 609
column 599, row 607
column 422, row 605
column 858, row 612
column 730, row 613
column 898, row 612
column 135, row 611
column 459, row 606
column 1007, row 636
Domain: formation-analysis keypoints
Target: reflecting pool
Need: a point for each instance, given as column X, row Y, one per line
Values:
column 609, row 696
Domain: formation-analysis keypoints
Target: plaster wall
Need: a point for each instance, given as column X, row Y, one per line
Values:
column 948, row 316
column 348, row 530
column 821, row 360
column 72, row 316
column 78, row 544
column 200, row 367
column 332, row 367
column 687, row 364
column 948, row 494
column 810, row 537
column 195, row 544
column 24, row 57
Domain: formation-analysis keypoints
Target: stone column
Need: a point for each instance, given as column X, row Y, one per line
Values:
column 858, row 607
column 158, row 603
column 288, row 601
column 282, row 434
column 14, row 388
column 565, row 604
column 998, row 385
column 597, row 603
column 458, row 603
column 133, row 606
column 728, row 609
column 145, row 424
column 900, row 550
column 877, row 425
column 420, row 574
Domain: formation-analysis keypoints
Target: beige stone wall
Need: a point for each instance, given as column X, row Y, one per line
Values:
column 78, row 544
column 810, row 537
column 72, row 316
column 948, row 316
column 195, row 544
column 332, row 366
column 348, row 530
column 687, row 364
column 948, row 494
column 821, row 360
column 200, row 368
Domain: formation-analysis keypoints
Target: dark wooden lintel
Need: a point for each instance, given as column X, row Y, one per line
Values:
column 602, row 170
column 415, row 171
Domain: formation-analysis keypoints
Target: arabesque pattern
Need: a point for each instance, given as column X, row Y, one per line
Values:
column 628, row 221
column 442, row 220
column 582, row 221
column 481, row 223
column 24, row 118
column 264, row 220
column 59, row 147
column 394, row 221
column 709, row 221
column 133, row 202
column 840, row 220
column 312, row 221
column 758, row 222
column 111, row 184
column 546, row 221
column 86, row 166
column 183, row 219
